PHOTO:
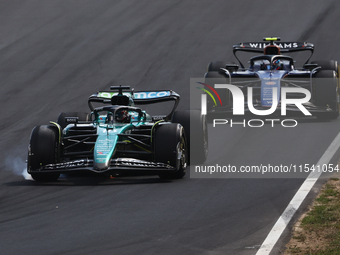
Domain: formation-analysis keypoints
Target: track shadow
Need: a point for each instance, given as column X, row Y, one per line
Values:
column 92, row 181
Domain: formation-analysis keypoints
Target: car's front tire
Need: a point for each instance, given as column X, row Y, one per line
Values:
column 170, row 148
column 43, row 150
column 197, row 134
column 325, row 93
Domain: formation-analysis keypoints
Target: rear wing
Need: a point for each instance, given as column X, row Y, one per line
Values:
column 285, row 47
column 138, row 97
column 150, row 97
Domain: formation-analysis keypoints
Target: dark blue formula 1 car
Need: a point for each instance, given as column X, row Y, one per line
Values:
column 272, row 68
column 119, row 138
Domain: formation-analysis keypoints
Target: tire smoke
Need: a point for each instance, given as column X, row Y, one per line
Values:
column 18, row 166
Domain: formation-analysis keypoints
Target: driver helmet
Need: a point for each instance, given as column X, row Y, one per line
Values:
column 123, row 116
column 277, row 64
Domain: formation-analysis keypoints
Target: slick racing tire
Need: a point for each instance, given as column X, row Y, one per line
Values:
column 212, row 78
column 327, row 65
column 171, row 148
column 325, row 93
column 43, row 150
column 197, row 136
column 82, row 116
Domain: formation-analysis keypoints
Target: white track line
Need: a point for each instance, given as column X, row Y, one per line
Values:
column 295, row 203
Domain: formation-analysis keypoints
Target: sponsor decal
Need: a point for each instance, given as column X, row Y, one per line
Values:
column 137, row 95
column 111, row 94
column 151, row 94
column 283, row 45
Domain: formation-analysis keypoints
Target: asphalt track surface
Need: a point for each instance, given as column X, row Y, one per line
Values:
column 54, row 54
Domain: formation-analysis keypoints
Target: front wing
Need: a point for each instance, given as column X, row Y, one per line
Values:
column 119, row 166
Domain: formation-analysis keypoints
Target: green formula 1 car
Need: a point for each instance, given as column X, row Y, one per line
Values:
column 119, row 138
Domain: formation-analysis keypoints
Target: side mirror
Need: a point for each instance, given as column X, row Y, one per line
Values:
column 71, row 120
column 310, row 67
column 231, row 67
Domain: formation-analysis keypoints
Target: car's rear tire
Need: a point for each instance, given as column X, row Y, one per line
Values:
column 170, row 147
column 197, row 137
column 82, row 116
column 43, row 150
column 325, row 93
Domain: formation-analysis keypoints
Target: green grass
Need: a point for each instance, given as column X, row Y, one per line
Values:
column 324, row 221
column 320, row 216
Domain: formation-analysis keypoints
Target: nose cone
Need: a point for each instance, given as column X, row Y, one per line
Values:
column 268, row 82
column 101, row 166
